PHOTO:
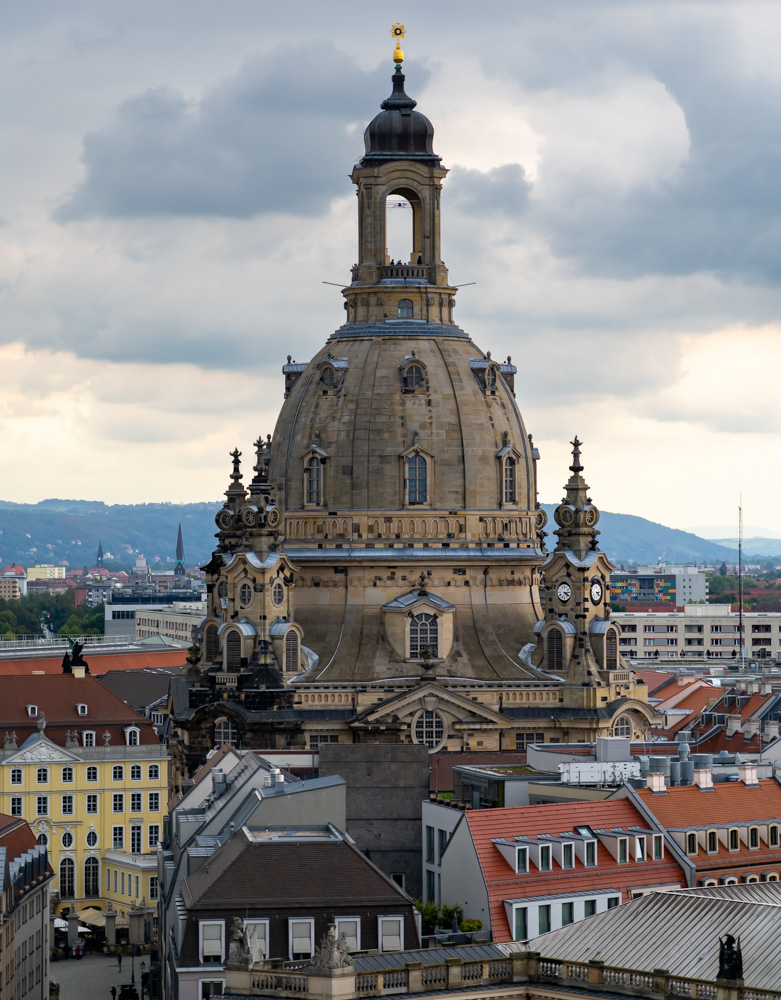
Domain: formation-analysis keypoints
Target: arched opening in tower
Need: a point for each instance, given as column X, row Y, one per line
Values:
column 399, row 229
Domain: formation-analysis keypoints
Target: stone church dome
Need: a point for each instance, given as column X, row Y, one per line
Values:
column 398, row 131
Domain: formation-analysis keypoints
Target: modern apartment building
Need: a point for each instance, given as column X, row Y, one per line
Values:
column 675, row 586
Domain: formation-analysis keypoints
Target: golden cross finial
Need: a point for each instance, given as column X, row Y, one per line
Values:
column 397, row 32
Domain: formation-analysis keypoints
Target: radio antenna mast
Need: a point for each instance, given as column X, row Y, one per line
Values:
column 740, row 584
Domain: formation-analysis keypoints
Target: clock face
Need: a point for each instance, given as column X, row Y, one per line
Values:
column 596, row 591
column 564, row 592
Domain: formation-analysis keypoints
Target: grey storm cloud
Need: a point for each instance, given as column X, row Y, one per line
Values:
column 273, row 138
column 720, row 212
column 503, row 190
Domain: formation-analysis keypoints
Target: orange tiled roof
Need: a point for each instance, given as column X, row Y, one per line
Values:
column 98, row 663
column 609, row 814
column 718, row 739
column 687, row 807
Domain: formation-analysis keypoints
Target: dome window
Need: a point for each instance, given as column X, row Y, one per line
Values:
column 487, row 373
column 292, row 651
column 245, row 594
column 332, row 371
column 210, row 643
column 554, row 650
column 417, row 480
column 429, row 729
column 406, row 309
column 233, row 651
column 413, row 374
column 277, row 593
column 423, row 637
column 509, row 488
column 328, row 377
column 611, row 649
column 622, row 727
column 313, row 482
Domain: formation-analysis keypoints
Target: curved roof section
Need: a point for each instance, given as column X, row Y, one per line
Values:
column 399, row 132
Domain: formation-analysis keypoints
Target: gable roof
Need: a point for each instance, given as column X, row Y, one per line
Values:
column 688, row 807
column 486, row 825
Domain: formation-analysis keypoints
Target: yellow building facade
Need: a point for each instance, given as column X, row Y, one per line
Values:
column 92, row 787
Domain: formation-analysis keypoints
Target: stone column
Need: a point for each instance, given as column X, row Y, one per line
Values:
column 73, row 928
column 136, row 919
column 111, row 926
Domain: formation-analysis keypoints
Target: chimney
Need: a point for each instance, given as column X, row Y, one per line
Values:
column 275, row 775
column 751, row 727
column 703, row 771
column 733, row 724
column 219, row 782
column 747, row 773
column 78, row 670
column 771, row 730
column 655, row 782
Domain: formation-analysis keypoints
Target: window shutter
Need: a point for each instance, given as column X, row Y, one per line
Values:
column 391, row 935
column 302, row 942
column 211, row 936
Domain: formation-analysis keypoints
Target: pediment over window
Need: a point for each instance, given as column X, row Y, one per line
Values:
column 431, row 697
column 419, row 626
column 415, row 597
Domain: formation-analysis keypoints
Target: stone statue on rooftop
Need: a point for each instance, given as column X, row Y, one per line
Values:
column 238, row 953
column 730, row 958
column 333, row 952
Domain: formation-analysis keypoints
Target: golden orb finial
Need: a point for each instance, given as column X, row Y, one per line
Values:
column 397, row 32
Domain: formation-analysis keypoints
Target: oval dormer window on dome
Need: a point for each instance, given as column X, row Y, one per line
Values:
column 406, row 309
column 328, row 377
column 412, row 377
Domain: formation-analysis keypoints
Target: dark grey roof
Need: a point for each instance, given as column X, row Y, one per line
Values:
column 429, row 956
column 414, row 597
column 544, row 712
column 139, row 688
column 400, row 328
column 398, row 554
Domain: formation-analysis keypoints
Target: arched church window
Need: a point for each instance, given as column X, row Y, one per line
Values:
column 554, row 650
column 509, row 479
column 429, row 729
column 233, row 650
column 423, row 637
column 224, row 732
column 417, row 479
column 327, row 376
column 611, row 649
column 67, row 878
column 210, row 642
column 292, row 651
column 413, row 376
column 277, row 593
column 245, row 594
column 406, row 310
column 314, row 481
column 91, row 877
column 622, row 727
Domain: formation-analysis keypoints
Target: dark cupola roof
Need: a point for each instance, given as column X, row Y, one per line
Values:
column 399, row 132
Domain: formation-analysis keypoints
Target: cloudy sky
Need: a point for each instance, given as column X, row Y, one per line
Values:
column 175, row 190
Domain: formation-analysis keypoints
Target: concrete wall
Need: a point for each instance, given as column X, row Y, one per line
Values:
column 386, row 785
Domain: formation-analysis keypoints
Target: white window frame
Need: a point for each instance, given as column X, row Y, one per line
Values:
column 92, row 769
column 14, row 772
column 521, row 860
column 211, row 923
column 265, row 924
column 114, row 845
column 88, row 738
column 38, row 772
column 342, row 919
column 381, row 933
column 16, row 805
column 153, row 772
column 129, row 733
column 38, row 800
column 300, row 920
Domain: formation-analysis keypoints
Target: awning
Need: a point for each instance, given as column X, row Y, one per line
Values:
column 62, row 925
column 92, row 916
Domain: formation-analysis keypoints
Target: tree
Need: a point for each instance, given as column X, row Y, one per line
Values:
column 723, row 569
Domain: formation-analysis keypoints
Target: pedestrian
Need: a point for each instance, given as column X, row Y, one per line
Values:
column 119, row 963
column 78, row 952
column 113, row 993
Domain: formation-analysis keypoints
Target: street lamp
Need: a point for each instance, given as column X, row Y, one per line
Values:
column 143, row 966
column 133, row 968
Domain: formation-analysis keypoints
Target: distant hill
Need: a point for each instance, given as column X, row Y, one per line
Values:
column 754, row 546
column 68, row 531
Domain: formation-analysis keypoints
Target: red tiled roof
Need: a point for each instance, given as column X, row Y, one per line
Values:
column 16, row 836
column 655, row 679
column 609, row 814
column 16, row 569
column 718, row 739
column 57, row 697
column 689, row 807
column 98, row 663
column 442, row 764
